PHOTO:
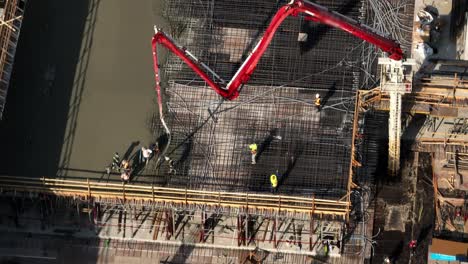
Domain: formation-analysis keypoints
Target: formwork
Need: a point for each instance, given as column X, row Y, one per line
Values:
column 11, row 16
column 310, row 150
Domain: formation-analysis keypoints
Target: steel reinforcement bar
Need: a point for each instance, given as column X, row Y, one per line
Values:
column 286, row 204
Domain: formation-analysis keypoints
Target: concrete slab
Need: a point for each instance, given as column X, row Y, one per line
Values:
column 101, row 98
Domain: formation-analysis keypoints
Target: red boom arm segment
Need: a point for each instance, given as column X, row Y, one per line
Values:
column 312, row 11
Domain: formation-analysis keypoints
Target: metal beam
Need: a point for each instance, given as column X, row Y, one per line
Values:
column 180, row 197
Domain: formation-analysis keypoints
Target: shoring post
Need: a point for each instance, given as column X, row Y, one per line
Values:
column 202, row 229
column 275, row 229
column 238, row 231
column 246, row 228
column 183, row 228
column 242, row 229
column 311, row 238
column 123, row 191
column 89, row 188
column 130, row 217
column 124, row 221
column 266, row 229
column 173, row 222
column 156, row 227
column 169, row 224
column 152, row 192
column 456, row 82
column 294, row 231
column 212, row 230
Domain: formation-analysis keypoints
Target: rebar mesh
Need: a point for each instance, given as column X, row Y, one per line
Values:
column 307, row 148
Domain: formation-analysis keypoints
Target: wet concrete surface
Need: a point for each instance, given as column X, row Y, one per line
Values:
column 82, row 87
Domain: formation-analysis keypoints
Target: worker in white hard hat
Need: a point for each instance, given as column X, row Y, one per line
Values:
column 318, row 101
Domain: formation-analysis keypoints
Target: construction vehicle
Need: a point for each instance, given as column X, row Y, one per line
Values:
column 230, row 90
column 313, row 12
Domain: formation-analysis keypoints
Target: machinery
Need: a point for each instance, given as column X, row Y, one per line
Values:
column 313, row 12
column 230, row 90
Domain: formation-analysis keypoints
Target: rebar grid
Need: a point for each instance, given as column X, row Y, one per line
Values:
column 221, row 33
column 308, row 149
column 394, row 18
column 303, row 146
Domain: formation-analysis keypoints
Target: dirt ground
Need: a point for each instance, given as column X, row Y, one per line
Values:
column 404, row 211
column 82, row 87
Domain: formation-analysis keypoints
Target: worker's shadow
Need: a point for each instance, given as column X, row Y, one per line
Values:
column 396, row 253
column 424, row 233
column 266, row 143
column 291, row 165
column 130, row 149
column 329, row 94
column 316, row 31
column 137, row 164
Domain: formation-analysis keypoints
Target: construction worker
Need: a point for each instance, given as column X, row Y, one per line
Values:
column 145, row 154
column 253, row 151
column 115, row 165
column 318, row 101
column 155, row 148
column 171, row 165
column 274, row 182
column 125, row 165
column 125, row 176
column 116, row 161
column 412, row 245
column 125, row 171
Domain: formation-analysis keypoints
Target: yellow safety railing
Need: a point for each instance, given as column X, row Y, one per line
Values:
column 89, row 188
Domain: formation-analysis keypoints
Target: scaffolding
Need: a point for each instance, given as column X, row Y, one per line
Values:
column 235, row 220
column 11, row 16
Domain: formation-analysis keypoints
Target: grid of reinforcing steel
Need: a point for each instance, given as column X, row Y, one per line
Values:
column 310, row 150
column 392, row 17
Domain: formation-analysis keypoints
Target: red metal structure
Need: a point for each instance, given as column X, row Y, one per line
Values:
column 312, row 11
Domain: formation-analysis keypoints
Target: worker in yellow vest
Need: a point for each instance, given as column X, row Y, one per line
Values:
column 253, row 151
column 318, row 101
column 274, row 182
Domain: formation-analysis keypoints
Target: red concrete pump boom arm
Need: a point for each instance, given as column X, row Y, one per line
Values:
column 311, row 11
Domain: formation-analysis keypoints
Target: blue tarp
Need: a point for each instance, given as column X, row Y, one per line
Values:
column 436, row 256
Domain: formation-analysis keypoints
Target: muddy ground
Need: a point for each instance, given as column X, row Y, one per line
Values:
column 405, row 211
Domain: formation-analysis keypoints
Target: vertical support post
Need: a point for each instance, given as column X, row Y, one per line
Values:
column 246, row 228
column 169, row 224
column 173, row 222
column 275, row 230
column 238, row 230
column 266, row 229
column 311, row 238
column 124, row 221
column 294, row 231
column 89, row 188
column 202, row 229
column 131, row 213
column 158, row 218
